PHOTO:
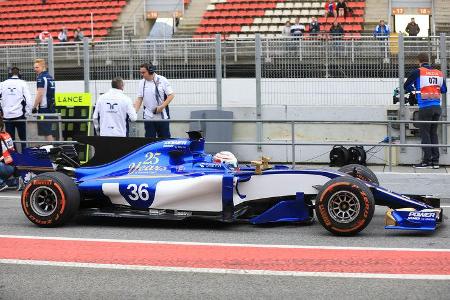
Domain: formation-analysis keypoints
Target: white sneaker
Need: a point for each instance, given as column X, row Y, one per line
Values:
column 3, row 187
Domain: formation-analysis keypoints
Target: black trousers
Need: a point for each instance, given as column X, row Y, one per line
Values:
column 156, row 129
column 11, row 127
column 428, row 133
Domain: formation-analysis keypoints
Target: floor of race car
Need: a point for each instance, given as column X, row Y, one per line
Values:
column 158, row 259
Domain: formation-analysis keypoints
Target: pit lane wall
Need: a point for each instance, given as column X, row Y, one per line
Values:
column 366, row 104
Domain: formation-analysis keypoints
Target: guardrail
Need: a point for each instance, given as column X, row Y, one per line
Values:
column 293, row 142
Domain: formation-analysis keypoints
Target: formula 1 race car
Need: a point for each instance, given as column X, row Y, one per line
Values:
column 175, row 179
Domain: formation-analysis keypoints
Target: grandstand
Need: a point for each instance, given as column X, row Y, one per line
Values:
column 23, row 20
column 244, row 18
column 442, row 17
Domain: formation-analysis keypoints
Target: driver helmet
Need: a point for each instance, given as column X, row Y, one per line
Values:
column 226, row 157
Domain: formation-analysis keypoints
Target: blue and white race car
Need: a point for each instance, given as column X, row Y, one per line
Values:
column 176, row 179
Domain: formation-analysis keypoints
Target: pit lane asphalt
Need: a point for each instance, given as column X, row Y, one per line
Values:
column 37, row 282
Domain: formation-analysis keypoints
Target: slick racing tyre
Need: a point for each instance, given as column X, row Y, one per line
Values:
column 360, row 172
column 50, row 199
column 345, row 206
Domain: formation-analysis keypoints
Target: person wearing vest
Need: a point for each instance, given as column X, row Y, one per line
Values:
column 156, row 94
column 6, row 167
column 16, row 103
column 44, row 102
column 429, row 84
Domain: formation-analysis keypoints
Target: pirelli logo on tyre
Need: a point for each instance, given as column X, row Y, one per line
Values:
column 324, row 215
column 42, row 182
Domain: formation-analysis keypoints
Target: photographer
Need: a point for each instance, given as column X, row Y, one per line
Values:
column 429, row 84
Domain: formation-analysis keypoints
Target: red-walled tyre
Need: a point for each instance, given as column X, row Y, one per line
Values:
column 50, row 199
column 345, row 206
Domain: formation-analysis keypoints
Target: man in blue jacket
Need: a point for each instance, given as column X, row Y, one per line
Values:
column 382, row 30
column 429, row 84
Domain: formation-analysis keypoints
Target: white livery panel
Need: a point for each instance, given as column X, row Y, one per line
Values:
column 273, row 185
column 202, row 193
column 111, row 190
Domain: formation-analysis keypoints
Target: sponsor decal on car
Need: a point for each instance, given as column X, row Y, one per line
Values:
column 210, row 165
column 419, row 215
column 175, row 144
column 149, row 165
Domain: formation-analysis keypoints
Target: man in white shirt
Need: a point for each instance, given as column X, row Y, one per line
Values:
column 16, row 102
column 156, row 93
column 112, row 109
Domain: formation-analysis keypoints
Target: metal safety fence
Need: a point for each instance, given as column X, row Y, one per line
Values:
column 281, row 72
column 361, row 71
column 187, row 63
column 389, row 142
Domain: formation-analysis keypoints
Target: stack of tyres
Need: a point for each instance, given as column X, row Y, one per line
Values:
column 341, row 156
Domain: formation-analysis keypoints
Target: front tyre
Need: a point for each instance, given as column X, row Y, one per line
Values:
column 50, row 199
column 345, row 206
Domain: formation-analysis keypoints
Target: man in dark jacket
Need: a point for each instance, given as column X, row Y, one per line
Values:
column 314, row 27
column 336, row 31
column 412, row 29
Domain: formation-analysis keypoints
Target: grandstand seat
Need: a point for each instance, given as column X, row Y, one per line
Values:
column 357, row 28
column 25, row 18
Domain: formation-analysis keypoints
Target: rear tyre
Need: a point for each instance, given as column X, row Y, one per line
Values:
column 345, row 206
column 360, row 172
column 50, row 199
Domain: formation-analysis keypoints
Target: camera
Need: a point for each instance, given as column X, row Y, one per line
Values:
column 410, row 97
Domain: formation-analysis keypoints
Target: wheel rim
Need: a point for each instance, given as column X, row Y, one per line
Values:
column 43, row 201
column 343, row 207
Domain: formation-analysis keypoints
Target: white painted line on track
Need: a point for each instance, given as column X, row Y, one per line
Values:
column 221, row 244
column 12, row 196
column 225, row 271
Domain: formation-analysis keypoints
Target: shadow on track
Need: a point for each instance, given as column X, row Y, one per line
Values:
column 193, row 223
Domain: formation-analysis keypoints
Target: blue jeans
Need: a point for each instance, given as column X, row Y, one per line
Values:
column 6, row 171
